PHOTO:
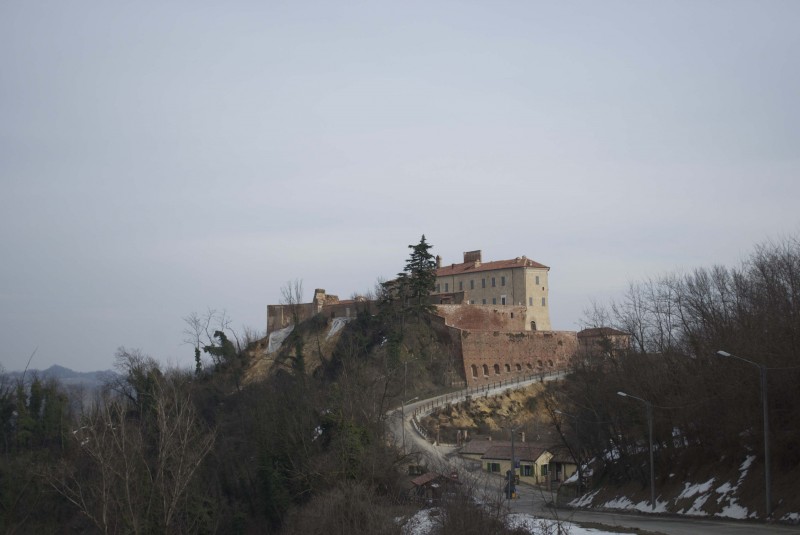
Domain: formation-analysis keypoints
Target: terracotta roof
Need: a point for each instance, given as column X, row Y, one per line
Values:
column 601, row 331
column 470, row 267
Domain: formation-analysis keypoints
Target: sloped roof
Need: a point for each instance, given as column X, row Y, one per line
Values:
column 601, row 331
column 470, row 267
column 479, row 446
column 523, row 452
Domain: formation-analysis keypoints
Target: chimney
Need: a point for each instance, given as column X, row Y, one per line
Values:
column 473, row 256
column 438, row 261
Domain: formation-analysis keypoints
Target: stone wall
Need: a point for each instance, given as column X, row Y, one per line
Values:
column 494, row 356
column 484, row 317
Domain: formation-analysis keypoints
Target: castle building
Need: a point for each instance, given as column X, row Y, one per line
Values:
column 519, row 282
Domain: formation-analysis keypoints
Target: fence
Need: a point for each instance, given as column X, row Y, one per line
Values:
column 428, row 406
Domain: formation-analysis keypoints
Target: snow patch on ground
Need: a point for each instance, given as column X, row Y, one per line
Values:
column 336, row 326
column 585, row 500
column 622, row 502
column 535, row 525
column 425, row 522
column 698, row 488
column 276, row 338
column 794, row 518
column 734, row 510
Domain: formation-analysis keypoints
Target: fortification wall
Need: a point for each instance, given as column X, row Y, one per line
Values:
column 451, row 337
column 484, row 317
column 493, row 356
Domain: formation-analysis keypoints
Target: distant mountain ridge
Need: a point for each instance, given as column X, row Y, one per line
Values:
column 67, row 376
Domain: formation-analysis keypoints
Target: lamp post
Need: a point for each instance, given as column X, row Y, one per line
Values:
column 578, row 447
column 767, row 473
column 512, row 474
column 649, row 407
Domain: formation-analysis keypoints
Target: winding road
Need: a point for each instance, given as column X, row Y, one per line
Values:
column 533, row 500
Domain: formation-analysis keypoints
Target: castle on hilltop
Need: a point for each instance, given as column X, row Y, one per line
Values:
column 517, row 282
column 494, row 315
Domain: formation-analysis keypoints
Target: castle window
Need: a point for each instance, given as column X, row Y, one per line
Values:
column 493, row 284
column 529, row 366
column 519, row 367
column 512, row 314
column 537, row 280
column 483, row 283
column 494, row 300
column 474, row 371
column 503, row 302
column 483, row 301
column 530, row 301
column 485, row 370
column 502, row 281
column 550, row 363
column 508, row 368
column 497, row 369
column 543, row 301
column 471, row 284
column 539, row 363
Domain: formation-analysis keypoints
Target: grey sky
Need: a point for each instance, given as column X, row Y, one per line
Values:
column 162, row 158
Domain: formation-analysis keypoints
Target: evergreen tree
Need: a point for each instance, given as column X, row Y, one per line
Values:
column 421, row 273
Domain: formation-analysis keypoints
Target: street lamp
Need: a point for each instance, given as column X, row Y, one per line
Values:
column 649, row 407
column 512, row 474
column 578, row 440
column 767, row 473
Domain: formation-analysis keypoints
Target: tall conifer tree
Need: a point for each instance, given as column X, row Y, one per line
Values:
column 421, row 271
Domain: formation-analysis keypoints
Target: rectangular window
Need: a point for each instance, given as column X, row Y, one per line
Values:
column 437, row 288
column 483, row 283
column 494, row 300
column 493, row 467
column 537, row 280
column 493, row 284
column 460, row 285
column 483, row 302
column 503, row 300
column 502, row 281
column 544, row 469
column 446, row 286
column 472, row 285
column 527, row 470
column 530, row 301
column 542, row 301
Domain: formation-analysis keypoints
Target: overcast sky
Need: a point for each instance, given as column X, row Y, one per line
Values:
column 161, row 158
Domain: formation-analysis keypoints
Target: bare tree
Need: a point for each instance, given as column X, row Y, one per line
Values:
column 292, row 297
column 134, row 467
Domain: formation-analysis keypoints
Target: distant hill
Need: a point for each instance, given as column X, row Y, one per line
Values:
column 68, row 377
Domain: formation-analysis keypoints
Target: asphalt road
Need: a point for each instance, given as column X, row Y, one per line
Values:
column 539, row 503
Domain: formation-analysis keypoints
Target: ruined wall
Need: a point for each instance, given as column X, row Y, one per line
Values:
column 451, row 338
column 483, row 317
column 494, row 356
column 280, row 316
column 349, row 309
